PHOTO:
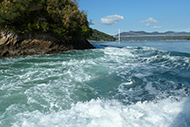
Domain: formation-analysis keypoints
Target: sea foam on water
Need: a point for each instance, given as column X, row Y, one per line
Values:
column 102, row 113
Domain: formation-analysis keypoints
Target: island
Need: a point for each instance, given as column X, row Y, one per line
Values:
column 96, row 35
column 29, row 27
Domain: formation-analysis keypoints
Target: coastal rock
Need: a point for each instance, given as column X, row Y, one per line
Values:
column 12, row 44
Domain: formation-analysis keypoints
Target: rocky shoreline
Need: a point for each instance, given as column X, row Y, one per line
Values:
column 12, row 44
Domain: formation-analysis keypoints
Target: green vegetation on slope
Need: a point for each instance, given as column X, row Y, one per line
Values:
column 100, row 36
column 59, row 17
column 188, row 38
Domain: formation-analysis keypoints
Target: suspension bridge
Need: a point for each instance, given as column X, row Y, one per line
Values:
column 117, row 34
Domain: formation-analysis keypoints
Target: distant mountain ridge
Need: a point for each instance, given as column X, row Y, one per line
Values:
column 142, row 35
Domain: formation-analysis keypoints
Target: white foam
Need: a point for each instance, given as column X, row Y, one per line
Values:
column 100, row 113
column 118, row 51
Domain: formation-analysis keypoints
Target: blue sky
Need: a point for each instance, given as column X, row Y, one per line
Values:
column 138, row 15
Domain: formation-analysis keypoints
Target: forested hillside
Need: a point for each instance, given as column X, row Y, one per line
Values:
column 29, row 27
column 60, row 17
column 100, row 36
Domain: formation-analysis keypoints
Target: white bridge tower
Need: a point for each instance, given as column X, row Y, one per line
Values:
column 119, row 36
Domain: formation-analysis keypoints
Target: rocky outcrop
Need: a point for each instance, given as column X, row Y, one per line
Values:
column 12, row 44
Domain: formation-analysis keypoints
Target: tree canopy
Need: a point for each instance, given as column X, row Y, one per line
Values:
column 60, row 17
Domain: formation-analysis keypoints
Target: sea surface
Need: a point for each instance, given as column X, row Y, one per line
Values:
column 118, row 84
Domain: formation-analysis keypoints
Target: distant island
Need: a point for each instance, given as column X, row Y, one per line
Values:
column 100, row 36
column 152, row 36
column 42, row 27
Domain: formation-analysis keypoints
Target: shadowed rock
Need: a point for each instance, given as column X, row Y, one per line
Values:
column 12, row 44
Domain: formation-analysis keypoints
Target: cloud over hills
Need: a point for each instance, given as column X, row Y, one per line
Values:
column 157, row 27
column 111, row 19
column 148, row 21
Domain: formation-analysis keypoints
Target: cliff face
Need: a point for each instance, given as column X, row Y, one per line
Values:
column 12, row 44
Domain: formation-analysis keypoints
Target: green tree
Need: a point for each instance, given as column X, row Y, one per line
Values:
column 60, row 17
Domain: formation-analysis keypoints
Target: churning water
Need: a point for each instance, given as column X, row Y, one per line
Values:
column 139, row 84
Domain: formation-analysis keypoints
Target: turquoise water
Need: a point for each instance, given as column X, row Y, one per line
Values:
column 126, row 84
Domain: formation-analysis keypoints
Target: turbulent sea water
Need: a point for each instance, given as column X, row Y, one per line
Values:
column 126, row 84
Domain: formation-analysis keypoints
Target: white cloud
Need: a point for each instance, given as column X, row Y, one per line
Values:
column 148, row 21
column 111, row 19
column 157, row 27
column 148, row 24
